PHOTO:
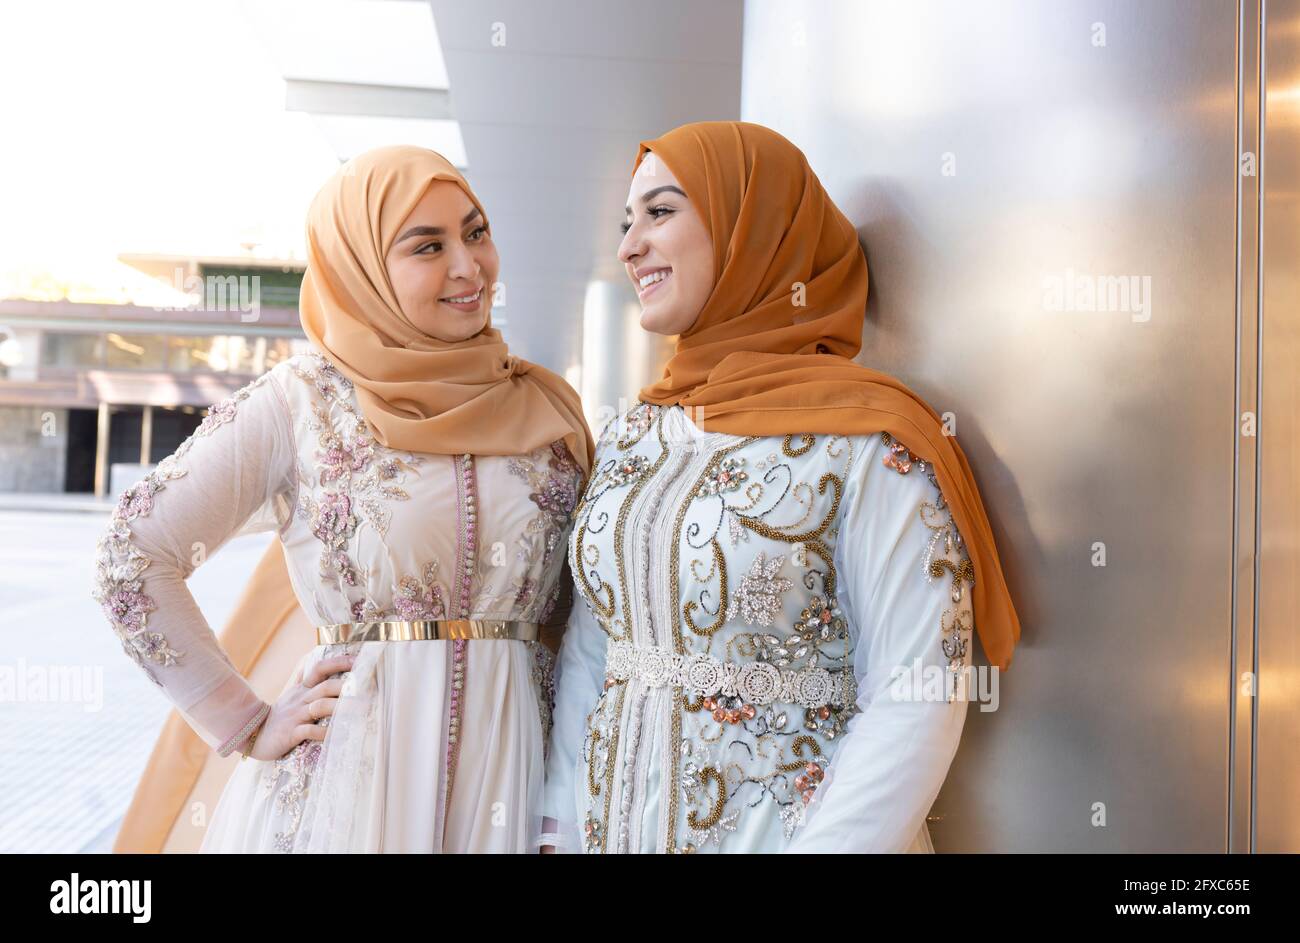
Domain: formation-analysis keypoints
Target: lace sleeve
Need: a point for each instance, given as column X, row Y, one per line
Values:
column 237, row 472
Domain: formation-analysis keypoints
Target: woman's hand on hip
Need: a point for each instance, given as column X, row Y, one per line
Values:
column 308, row 697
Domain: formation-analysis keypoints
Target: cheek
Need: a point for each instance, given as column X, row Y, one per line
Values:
column 489, row 262
column 416, row 281
column 699, row 272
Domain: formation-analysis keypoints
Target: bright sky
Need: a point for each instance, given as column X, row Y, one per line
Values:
column 143, row 126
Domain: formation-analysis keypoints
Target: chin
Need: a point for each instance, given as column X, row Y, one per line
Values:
column 657, row 322
column 460, row 326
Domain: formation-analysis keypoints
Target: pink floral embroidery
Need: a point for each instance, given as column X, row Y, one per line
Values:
column 527, row 587
column 366, row 610
column 218, row 415
column 119, row 564
column 333, row 522
column 342, row 456
column 420, row 600
column 550, row 604
column 362, row 476
column 128, row 607
column 558, row 494
column 555, row 492
column 299, row 764
column 137, row 500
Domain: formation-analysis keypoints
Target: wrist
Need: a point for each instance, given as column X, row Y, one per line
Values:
column 243, row 739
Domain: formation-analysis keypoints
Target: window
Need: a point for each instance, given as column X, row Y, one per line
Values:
column 72, row 350
column 136, row 351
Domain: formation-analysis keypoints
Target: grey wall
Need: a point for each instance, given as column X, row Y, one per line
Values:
column 987, row 152
column 33, row 448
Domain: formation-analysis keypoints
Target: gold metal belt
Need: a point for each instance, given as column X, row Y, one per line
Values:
column 428, row 629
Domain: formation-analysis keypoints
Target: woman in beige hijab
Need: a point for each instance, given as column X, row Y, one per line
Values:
column 422, row 482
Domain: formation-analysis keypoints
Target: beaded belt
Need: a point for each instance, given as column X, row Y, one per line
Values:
column 755, row 682
column 430, row 629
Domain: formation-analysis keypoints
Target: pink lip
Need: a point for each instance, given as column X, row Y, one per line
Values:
column 464, row 305
column 643, row 292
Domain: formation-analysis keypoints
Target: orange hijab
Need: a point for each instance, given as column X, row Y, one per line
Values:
column 418, row 393
column 756, row 362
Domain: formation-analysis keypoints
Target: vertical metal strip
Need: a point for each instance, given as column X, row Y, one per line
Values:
column 1259, row 410
column 1236, row 429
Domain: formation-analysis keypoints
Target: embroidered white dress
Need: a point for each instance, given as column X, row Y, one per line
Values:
column 434, row 745
column 767, row 653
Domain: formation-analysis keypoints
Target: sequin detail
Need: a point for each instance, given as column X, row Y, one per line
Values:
column 726, row 475
column 415, row 599
column 899, row 457
column 758, row 598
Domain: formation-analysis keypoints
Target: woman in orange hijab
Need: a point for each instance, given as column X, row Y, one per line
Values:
column 421, row 481
column 782, row 554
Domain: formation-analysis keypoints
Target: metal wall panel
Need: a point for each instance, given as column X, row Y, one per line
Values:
column 1276, row 823
column 1000, row 159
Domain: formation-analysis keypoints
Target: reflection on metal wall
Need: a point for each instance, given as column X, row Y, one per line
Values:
column 1049, row 200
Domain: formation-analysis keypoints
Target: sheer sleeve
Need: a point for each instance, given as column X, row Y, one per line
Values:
column 579, row 679
column 235, row 474
column 904, row 580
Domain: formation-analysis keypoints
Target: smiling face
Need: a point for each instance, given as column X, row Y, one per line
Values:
column 443, row 264
column 666, row 249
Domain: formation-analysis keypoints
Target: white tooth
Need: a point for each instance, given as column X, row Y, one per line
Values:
column 653, row 277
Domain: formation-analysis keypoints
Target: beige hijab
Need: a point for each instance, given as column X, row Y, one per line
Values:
column 418, row 393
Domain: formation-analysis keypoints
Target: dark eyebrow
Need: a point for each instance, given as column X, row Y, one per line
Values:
column 651, row 194
column 435, row 230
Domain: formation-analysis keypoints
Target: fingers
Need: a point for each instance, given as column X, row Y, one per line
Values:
column 330, row 687
column 326, row 667
column 320, row 707
column 309, row 732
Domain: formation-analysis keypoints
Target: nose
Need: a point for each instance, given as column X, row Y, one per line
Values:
column 461, row 262
column 631, row 247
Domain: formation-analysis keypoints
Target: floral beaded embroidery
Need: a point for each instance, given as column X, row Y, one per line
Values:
column 758, row 598
column 554, row 479
column 635, row 423
column 298, row 764
column 415, row 599
column 340, row 456
column 725, row 475
column 625, row 471
column 555, row 487
column 357, row 474
column 294, row 771
column 899, row 457
column 119, row 564
column 544, row 679
column 954, row 625
column 739, row 729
